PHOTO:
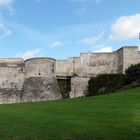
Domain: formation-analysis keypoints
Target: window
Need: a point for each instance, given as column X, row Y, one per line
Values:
column 53, row 71
column 39, row 72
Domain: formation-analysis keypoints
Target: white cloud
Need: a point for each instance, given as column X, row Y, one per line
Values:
column 101, row 48
column 8, row 4
column 105, row 49
column 31, row 54
column 56, row 44
column 126, row 27
column 92, row 40
column 4, row 32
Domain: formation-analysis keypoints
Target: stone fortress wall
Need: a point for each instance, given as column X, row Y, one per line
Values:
column 90, row 64
column 27, row 81
column 11, row 79
column 35, row 79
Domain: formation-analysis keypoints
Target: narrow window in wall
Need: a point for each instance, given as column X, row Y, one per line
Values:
column 53, row 71
column 20, row 71
column 53, row 68
column 39, row 72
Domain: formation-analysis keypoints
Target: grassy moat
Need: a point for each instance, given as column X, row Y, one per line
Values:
column 109, row 117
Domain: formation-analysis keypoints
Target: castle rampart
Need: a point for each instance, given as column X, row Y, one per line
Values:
column 35, row 79
column 11, row 79
column 91, row 64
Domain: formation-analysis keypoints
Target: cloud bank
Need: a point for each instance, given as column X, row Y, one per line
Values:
column 31, row 54
column 126, row 27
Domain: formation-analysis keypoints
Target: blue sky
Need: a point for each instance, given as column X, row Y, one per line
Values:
column 65, row 28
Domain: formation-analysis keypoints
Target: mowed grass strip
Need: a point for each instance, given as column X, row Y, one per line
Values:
column 108, row 117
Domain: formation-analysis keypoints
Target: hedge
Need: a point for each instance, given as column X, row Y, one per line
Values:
column 105, row 83
column 133, row 73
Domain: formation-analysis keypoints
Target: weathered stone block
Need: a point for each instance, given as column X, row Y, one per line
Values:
column 40, row 89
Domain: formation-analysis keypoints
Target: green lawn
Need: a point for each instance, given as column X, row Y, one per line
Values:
column 109, row 117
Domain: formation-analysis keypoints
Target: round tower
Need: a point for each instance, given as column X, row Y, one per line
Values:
column 40, row 80
column 40, row 67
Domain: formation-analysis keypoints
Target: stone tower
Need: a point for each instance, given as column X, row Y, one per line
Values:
column 40, row 80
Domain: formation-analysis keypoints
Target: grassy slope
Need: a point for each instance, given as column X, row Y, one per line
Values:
column 108, row 117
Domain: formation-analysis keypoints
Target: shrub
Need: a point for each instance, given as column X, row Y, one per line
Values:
column 64, row 87
column 133, row 73
column 105, row 83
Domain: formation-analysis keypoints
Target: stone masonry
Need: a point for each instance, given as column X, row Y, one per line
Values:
column 28, row 81
column 35, row 79
column 91, row 64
